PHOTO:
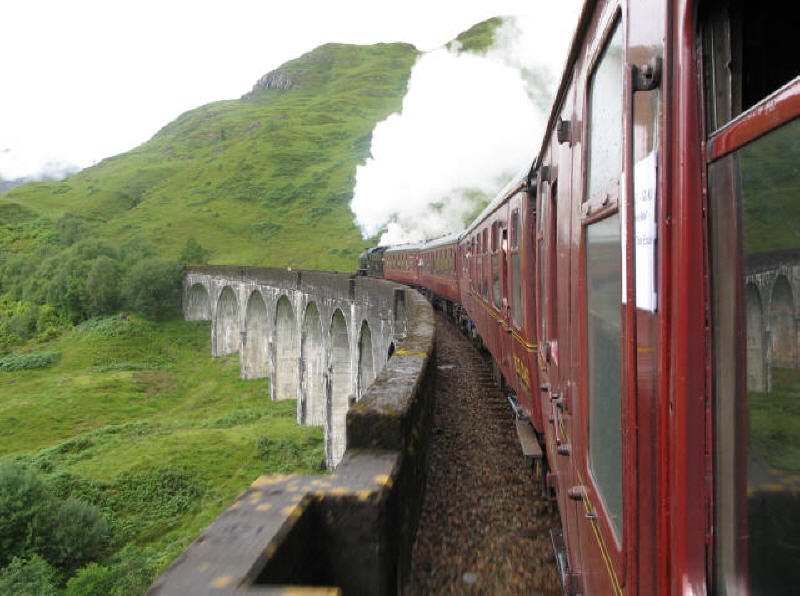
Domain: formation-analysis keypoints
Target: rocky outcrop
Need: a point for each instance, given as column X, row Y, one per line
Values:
column 276, row 79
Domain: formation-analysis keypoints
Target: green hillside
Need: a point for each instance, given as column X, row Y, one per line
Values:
column 114, row 419
column 246, row 178
column 121, row 428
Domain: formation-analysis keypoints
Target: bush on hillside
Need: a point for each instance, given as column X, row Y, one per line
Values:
column 33, row 522
column 134, row 250
column 193, row 253
column 101, row 292
column 28, row 577
column 21, row 320
column 30, row 361
column 71, row 228
column 76, row 533
column 130, row 571
column 25, row 506
column 153, row 288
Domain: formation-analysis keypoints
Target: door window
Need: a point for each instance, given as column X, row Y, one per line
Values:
column 754, row 195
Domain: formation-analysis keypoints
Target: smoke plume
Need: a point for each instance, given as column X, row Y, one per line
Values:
column 468, row 123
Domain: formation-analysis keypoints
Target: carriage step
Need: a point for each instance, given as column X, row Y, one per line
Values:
column 527, row 439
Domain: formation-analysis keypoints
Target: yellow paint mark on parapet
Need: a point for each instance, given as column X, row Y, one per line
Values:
column 309, row 591
column 384, row 480
column 255, row 496
column 267, row 480
column 292, row 511
column 222, row 581
column 264, row 507
column 402, row 352
column 364, row 495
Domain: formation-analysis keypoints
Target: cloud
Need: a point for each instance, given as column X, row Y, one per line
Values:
column 32, row 165
column 468, row 123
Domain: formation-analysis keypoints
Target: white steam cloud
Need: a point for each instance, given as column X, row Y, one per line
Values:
column 468, row 123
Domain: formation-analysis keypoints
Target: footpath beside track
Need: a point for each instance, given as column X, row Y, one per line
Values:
column 484, row 527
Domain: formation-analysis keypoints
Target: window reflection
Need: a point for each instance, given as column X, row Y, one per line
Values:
column 603, row 298
column 760, row 184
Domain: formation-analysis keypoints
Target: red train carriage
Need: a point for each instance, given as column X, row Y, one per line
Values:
column 640, row 293
column 652, row 194
column 496, row 286
column 401, row 264
column 437, row 270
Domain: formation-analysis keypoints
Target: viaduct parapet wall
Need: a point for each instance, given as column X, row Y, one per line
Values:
column 351, row 530
column 320, row 337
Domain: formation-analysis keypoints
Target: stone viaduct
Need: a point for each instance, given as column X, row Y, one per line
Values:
column 772, row 296
column 320, row 337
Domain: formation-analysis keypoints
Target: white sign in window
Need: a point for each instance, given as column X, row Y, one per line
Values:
column 644, row 231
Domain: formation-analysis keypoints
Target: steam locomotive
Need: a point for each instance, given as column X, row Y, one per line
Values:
column 638, row 290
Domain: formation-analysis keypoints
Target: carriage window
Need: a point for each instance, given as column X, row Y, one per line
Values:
column 745, row 56
column 754, row 195
column 495, row 266
column 604, row 300
column 474, row 263
column 516, row 281
column 605, row 119
column 486, row 270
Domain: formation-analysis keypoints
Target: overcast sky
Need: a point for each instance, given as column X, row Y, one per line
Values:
column 86, row 79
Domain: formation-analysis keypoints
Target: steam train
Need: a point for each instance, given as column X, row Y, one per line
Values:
column 638, row 290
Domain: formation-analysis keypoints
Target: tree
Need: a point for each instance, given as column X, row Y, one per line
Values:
column 28, row 577
column 71, row 228
column 152, row 287
column 77, row 533
column 193, row 253
column 102, row 287
column 25, row 506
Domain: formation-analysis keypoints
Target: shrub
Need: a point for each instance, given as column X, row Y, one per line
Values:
column 71, row 228
column 76, row 534
column 33, row 521
column 28, row 577
column 101, row 289
column 157, row 494
column 193, row 253
column 153, row 288
column 30, row 361
column 288, row 454
column 92, row 580
column 25, row 506
column 130, row 571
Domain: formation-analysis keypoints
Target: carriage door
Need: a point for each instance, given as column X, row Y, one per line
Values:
column 756, row 207
column 753, row 123
column 598, row 433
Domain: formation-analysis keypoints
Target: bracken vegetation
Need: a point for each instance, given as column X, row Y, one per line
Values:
column 137, row 439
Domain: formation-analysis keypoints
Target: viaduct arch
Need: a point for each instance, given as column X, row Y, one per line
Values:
column 772, row 299
column 320, row 338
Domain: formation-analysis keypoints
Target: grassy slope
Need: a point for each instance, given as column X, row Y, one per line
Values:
column 247, row 178
column 130, row 398
column 478, row 38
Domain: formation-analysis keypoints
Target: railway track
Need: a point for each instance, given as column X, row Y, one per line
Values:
column 484, row 529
